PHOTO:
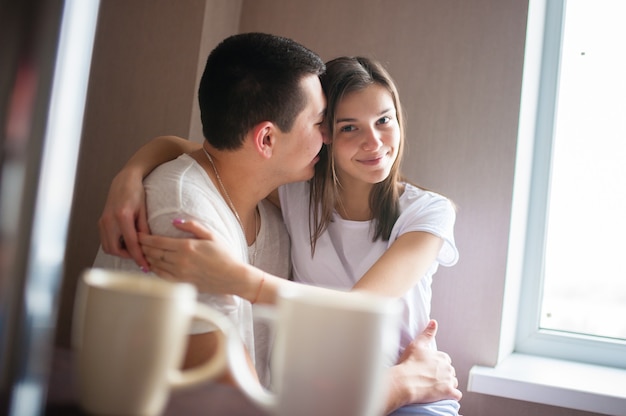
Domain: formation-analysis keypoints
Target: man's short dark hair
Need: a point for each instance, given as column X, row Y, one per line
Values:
column 250, row 78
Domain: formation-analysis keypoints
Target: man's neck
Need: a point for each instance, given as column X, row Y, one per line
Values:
column 239, row 188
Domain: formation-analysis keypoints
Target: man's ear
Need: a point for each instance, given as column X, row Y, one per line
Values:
column 264, row 138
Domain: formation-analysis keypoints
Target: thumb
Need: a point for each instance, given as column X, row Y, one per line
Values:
column 193, row 227
column 421, row 342
column 429, row 333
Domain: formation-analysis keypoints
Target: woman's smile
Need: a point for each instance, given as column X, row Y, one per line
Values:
column 374, row 160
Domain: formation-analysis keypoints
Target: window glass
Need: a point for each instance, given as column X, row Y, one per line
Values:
column 584, row 289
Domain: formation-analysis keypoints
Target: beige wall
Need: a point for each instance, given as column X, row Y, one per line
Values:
column 143, row 84
column 458, row 68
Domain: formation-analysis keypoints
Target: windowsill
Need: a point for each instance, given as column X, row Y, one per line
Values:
column 554, row 382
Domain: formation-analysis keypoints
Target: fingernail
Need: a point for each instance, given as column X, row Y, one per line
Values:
column 178, row 221
column 143, row 269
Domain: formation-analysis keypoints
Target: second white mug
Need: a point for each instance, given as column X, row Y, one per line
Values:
column 330, row 354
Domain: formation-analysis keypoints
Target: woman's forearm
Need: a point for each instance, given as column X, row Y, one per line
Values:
column 259, row 286
column 157, row 151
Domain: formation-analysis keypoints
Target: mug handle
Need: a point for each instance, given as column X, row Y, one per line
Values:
column 217, row 364
column 237, row 364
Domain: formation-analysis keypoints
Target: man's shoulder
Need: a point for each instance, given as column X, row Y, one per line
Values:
column 183, row 186
column 182, row 175
column 182, row 165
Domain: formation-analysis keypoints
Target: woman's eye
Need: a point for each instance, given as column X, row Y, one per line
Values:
column 384, row 120
column 347, row 128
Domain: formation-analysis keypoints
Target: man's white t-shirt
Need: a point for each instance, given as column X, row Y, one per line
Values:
column 181, row 188
column 271, row 254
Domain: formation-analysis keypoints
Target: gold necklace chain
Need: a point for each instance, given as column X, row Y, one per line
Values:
column 232, row 206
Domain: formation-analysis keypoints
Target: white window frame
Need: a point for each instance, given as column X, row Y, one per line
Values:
column 530, row 338
column 538, row 365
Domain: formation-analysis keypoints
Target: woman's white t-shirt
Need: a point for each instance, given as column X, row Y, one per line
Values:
column 345, row 251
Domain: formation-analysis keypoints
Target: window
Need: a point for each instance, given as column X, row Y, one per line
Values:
column 584, row 277
column 564, row 266
column 573, row 303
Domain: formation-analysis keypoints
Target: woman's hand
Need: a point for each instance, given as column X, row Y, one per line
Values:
column 202, row 261
column 124, row 214
column 422, row 375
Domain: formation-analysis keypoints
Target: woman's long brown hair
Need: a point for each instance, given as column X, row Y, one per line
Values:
column 343, row 76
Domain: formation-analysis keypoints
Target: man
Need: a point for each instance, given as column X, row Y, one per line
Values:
column 262, row 108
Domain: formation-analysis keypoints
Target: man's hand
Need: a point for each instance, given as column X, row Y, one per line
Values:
column 123, row 216
column 422, row 375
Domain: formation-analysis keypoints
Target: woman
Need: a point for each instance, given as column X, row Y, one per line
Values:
column 356, row 225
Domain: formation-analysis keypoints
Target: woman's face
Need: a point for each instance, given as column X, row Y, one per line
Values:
column 367, row 136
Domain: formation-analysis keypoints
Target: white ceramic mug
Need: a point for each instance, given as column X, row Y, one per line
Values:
column 130, row 333
column 330, row 354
